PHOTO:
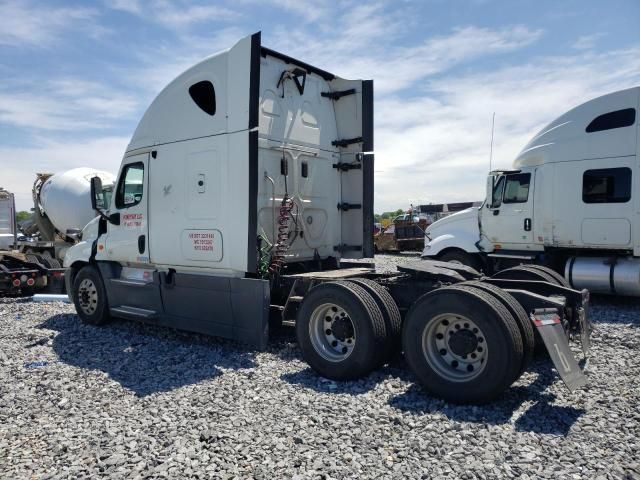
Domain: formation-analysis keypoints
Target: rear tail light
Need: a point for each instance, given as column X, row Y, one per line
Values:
column 30, row 282
column 16, row 282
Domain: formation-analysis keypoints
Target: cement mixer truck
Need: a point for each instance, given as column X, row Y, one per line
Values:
column 31, row 252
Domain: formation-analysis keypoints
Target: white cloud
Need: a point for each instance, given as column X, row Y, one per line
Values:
column 25, row 23
column 435, row 147
column 54, row 156
column 129, row 6
column 587, row 42
column 362, row 49
column 172, row 14
column 309, row 11
column 63, row 104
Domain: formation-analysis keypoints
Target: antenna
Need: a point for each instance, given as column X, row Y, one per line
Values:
column 493, row 122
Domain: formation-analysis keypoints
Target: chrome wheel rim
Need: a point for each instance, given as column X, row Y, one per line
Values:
column 455, row 347
column 332, row 332
column 88, row 296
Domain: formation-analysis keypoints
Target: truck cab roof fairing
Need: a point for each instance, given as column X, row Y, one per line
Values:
column 174, row 116
column 170, row 118
column 567, row 138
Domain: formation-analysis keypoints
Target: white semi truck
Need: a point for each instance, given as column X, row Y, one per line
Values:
column 571, row 202
column 31, row 253
column 247, row 186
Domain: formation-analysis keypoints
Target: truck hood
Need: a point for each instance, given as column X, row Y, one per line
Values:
column 466, row 219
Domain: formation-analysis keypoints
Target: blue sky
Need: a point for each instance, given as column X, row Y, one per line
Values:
column 75, row 77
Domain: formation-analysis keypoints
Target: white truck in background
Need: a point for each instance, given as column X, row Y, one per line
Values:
column 571, row 202
column 32, row 251
column 245, row 187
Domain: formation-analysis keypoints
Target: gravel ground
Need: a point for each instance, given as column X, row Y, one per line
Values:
column 135, row 401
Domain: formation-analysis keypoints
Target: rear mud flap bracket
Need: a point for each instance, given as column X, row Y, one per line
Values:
column 555, row 340
column 585, row 324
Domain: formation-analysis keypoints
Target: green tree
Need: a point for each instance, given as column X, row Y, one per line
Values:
column 20, row 216
column 379, row 217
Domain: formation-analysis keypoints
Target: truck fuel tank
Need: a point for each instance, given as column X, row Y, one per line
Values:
column 609, row 275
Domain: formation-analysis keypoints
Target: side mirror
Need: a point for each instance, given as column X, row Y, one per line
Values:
column 97, row 200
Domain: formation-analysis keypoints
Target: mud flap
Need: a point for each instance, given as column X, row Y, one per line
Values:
column 550, row 328
column 56, row 280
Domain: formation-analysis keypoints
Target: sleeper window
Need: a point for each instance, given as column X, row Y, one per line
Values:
column 606, row 185
column 130, row 186
column 516, row 189
column 611, row 120
column 204, row 95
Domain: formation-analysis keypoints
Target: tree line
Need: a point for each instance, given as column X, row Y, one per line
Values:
column 380, row 217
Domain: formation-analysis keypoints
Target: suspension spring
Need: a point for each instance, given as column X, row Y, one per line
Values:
column 282, row 243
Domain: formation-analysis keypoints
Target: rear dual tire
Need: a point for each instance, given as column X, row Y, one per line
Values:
column 462, row 258
column 533, row 273
column 341, row 331
column 517, row 312
column 390, row 314
column 539, row 273
column 462, row 344
column 555, row 276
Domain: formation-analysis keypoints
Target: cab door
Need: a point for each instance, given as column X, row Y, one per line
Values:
column 507, row 220
column 127, row 237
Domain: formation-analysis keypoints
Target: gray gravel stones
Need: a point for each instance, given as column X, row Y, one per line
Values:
column 134, row 401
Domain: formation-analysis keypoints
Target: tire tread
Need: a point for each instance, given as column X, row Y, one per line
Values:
column 92, row 272
column 374, row 318
column 559, row 279
column 520, row 316
column 462, row 393
column 390, row 313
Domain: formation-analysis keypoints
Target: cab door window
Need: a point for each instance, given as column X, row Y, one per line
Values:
column 516, row 189
column 130, row 187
